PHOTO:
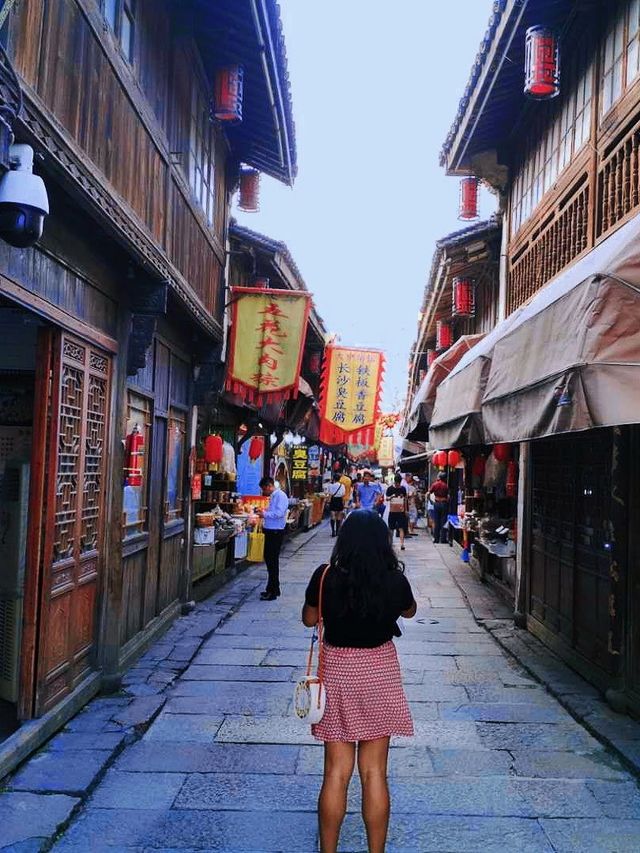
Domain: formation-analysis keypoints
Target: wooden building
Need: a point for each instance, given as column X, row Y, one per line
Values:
column 106, row 318
column 567, row 173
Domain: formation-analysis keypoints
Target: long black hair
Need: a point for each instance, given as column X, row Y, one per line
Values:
column 362, row 555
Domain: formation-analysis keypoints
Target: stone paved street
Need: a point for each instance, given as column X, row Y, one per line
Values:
column 496, row 763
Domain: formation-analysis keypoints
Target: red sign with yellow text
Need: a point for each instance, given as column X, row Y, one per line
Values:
column 351, row 386
column 268, row 330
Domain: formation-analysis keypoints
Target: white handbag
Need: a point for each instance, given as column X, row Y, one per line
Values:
column 309, row 695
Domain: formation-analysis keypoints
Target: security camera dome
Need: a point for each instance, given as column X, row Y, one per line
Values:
column 24, row 203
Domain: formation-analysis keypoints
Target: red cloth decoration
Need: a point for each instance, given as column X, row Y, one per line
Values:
column 502, row 452
column 213, row 449
column 512, row 479
column 478, row 467
column 256, row 447
column 453, row 458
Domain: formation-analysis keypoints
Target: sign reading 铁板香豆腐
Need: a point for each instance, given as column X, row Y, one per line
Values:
column 351, row 385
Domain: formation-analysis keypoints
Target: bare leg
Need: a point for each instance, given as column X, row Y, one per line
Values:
column 402, row 537
column 376, row 804
column 339, row 759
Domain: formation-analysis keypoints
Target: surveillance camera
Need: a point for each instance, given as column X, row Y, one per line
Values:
column 23, row 200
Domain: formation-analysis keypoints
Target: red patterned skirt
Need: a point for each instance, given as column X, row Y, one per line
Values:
column 365, row 697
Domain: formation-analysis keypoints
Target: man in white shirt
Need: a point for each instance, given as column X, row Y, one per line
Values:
column 275, row 519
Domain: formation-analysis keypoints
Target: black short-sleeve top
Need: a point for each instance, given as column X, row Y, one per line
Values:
column 350, row 630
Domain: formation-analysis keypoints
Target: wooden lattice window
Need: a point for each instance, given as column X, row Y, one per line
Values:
column 620, row 55
column 553, row 144
column 174, row 505
column 135, row 498
column 202, row 152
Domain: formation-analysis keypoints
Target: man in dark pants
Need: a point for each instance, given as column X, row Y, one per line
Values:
column 440, row 496
column 275, row 519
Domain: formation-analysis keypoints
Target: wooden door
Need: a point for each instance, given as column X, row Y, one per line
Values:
column 73, row 520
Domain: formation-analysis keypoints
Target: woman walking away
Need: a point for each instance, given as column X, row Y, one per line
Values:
column 364, row 593
column 336, row 493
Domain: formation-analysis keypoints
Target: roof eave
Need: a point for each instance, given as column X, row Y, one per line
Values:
column 455, row 146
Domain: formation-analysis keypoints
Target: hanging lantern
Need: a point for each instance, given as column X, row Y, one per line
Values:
column 249, row 190
column 439, row 458
column 315, row 363
column 502, row 452
column 464, row 297
column 213, row 449
column 468, row 199
column 228, row 94
column 431, row 357
column 453, row 458
column 478, row 467
column 256, row 447
column 444, row 335
column 512, row 480
column 542, row 64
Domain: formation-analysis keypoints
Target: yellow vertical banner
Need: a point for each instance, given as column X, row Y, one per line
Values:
column 268, row 330
column 351, row 387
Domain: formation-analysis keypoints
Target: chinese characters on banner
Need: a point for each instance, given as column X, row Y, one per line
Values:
column 267, row 339
column 385, row 453
column 300, row 464
column 351, row 386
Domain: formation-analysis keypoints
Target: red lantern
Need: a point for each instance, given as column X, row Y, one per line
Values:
column 213, row 449
column 468, row 199
column 439, row 458
column 464, row 297
column 444, row 335
column 502, row 452
column 512, row 480
column 256, row 447
column 228, row 93
column 478, row 467
column 249, row 190
column 431, row 357
column 315, row 363
column 196, row 487
column 542, row 64
column 133, row 458
column 453, row 458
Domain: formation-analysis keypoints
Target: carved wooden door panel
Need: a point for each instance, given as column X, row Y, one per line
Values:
column 74, row 505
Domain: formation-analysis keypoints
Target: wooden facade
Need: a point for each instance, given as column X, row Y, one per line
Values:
column 123, row 297
column 568, row 172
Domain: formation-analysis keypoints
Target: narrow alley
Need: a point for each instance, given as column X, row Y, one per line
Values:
column 496, row 762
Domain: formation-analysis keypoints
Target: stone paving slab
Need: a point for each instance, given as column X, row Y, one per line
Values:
column 454, row 834
column 70, row 772
column 26, row 818
column 593, row 836
column 152, row 756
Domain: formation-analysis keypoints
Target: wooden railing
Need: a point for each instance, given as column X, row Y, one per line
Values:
column 559, row 241
column 618, row 180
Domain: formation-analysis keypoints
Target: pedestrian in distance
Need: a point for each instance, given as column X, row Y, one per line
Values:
column 439, row 492
column 274, row 523
column 336, row 493
column 347, row 482
column 368, row 492
column 364, row 593
column 412, row 506
column 398, row 509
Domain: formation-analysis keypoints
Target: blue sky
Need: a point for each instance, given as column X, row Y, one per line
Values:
column 375, row 89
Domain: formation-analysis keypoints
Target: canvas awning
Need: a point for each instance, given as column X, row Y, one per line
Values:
column 457, row 413
column 422, row 409
column 570, row 360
